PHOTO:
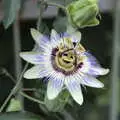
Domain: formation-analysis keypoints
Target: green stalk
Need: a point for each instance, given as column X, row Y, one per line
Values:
column 115, row 66
column 17, row 59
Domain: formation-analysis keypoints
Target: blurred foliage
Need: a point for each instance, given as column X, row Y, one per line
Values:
column 19, row 116
column 44, row 28
column 60, row 24
column 11, row 8
column 58, row 104
column 14, row 105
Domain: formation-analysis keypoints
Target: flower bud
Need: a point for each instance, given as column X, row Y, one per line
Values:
column 82, row 13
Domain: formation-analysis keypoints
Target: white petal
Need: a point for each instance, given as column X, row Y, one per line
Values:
column 37, row 36
column 54, row 88
column 75, row 89
column 92, row 67
column 35, row 72
column 91, row 81
column 76, row 36
column 86, row 66
column 32, row 57
column 99, row 70
column 54, row 36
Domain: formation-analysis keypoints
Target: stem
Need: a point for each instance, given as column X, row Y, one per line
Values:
column 22, row 89
column 114, row 101
column 15, row 89
column 42, row 7
column 28, row 89
column 31, row 98
column 24, row 94
column 17, row 59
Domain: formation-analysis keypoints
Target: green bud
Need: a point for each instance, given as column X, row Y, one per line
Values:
column 14, row 105
column 82, row 13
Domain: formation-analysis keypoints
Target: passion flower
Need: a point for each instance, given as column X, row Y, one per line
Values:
column 64, row 62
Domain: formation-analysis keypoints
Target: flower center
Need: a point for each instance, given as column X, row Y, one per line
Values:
column 66, row 59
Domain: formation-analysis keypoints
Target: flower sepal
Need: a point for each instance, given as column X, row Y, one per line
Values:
column 57, row 104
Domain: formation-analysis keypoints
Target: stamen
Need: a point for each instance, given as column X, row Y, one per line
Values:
column 67, row 50
column 65, row 57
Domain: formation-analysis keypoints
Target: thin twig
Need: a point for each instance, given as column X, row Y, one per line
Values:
column 23, row 89
column 15, row 89
column 31, row 98
column 57, row 5
column 24, row 94
column 28, row 89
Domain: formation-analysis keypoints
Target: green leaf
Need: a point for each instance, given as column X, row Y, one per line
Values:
column 58, row 104
column 19, row 116
column 60, row 24
column 11, row 8
column 14, row 105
